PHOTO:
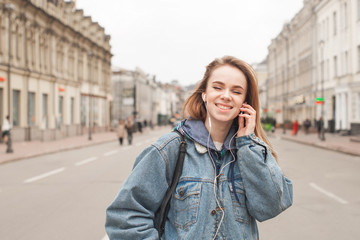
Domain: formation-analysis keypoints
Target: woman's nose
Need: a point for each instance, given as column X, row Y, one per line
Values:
column 225, row 95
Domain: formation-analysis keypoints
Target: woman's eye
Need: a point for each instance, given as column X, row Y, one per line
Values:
column 237, row 92
column 217, row 88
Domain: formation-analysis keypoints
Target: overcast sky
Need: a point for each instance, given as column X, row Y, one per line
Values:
column 175, row 40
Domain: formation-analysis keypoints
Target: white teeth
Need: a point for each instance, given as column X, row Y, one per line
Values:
column 223, row 107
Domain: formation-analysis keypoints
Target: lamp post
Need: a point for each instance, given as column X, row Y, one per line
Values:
column 321, row 121
column 9, row 8
column 90, row 54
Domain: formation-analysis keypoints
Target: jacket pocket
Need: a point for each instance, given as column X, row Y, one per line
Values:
column 239, row 203
column 185, row 204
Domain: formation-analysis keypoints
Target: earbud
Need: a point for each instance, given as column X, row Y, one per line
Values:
column 204, row 97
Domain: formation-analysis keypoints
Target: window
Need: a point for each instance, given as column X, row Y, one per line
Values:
column 95, row 113
column 16, row 108
column 72, row 110
column 358, row 60
column 358, row 10
column 334, row 23
column 346, row 62
column 61, row 111
column 335, row 67
column 345, row 16
column 83, row 110
column 45, row 110
column 31, row 109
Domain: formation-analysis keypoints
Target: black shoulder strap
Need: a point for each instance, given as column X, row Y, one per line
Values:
column 165, row 205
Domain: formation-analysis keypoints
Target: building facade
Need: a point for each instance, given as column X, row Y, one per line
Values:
column 55, row 70
column 313, row 66
column 140, row 96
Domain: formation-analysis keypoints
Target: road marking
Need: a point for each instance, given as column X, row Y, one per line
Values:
column 110, row 153
column 105, row 237
column 44, row 175
column 139, row 144
column 85, row 161
column 329, row 194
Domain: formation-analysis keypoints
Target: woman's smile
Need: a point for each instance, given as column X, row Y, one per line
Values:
column 223, row 106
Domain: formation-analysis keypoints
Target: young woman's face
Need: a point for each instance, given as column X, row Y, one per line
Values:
column 225, row 93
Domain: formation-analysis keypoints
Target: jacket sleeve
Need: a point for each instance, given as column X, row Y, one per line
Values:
column 131, row 215
column 268, row 192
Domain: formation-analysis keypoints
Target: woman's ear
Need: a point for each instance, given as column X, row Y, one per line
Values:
column 204, row 97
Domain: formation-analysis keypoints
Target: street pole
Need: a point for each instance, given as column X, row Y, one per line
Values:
column 322, row 122
column 9, row 8
column 322, row 107
column 90, row 54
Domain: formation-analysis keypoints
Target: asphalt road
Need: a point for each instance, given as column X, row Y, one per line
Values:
column 64, row 195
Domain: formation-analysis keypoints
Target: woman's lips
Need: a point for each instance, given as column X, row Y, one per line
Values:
column 223, row 107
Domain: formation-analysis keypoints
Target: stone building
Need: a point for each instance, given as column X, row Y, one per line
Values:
column 55, row 70
column 290, row 69
column 139, row 93
column 134, row 95
column 313, row 66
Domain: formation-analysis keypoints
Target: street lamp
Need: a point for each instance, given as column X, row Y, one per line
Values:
column 321, row 121
column 90, row 54
column 9, row 8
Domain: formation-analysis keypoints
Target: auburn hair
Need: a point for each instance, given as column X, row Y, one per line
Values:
column 194, row 106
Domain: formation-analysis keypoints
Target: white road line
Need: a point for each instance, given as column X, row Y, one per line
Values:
column 139, row 144
column 110, row 153
column 44, row 175
column 105, row 237
column 329, row 194
column 85, row 161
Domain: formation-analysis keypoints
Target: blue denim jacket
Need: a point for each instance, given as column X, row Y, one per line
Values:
column 251, row 188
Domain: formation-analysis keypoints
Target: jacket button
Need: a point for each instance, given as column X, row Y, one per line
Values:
column 213, row 212
column 181, row 193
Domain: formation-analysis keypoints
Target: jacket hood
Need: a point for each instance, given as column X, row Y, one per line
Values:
column 196, row 130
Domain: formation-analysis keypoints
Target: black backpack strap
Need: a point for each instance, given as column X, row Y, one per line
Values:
column 165, row 205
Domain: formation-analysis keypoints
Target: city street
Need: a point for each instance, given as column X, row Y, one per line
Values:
column 64, row 195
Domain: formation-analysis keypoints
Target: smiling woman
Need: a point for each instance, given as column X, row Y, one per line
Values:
column 242, row 169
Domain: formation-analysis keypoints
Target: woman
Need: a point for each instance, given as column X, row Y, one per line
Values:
column 230, row 176
column 121, row 131
column 129, row 126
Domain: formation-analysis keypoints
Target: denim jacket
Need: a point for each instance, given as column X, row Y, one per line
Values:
column 251, row 188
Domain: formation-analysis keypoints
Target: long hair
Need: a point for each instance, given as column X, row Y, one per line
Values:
column 194, row 106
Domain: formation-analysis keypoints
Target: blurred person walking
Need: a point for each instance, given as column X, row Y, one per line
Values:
column 295, row 128
column 5, row 129
column 129, row 126
column 307, row 125
column 121, row 131
column 320, row 125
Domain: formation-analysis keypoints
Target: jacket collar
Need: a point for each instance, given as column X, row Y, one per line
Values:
column 196, row 130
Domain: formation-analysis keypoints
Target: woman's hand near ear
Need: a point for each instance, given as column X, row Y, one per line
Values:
column 247, row 114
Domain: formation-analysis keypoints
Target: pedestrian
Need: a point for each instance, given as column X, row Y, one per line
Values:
column 320, row 125
column 307, row 125
column 5, row 129
column 129, row 126
column 230, row 178
column 295, row 128
column 121, row 131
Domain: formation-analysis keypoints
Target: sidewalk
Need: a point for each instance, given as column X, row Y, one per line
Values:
column 335, row 142
column 30, row 149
